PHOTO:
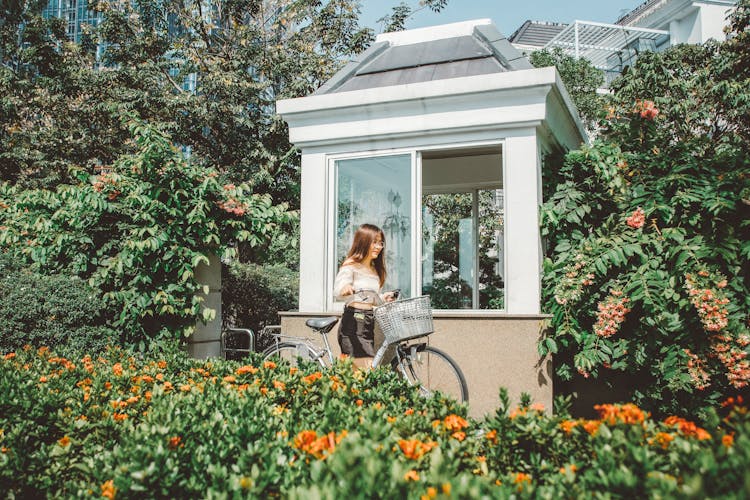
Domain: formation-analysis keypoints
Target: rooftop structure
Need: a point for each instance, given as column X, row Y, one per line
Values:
column 533, row 35
column 399, row 59
column 654, row 25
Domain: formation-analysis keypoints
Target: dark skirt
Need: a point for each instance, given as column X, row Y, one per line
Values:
column 357, row 333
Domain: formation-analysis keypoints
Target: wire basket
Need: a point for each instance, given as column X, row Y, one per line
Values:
column 405, row 319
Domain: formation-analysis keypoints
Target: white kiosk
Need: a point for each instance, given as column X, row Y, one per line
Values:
column 438, row 135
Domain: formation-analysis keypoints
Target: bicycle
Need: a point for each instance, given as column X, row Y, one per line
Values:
column 405, row 325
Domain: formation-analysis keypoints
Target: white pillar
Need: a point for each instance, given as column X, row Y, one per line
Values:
column 206, row 340
column 523, row 248
column 313, row 237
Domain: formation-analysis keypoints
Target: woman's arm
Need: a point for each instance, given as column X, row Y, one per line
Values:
column 343, row 284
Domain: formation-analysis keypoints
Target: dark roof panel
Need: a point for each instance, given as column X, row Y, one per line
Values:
column 426, row 73
column 420, row 54
column 484, row 51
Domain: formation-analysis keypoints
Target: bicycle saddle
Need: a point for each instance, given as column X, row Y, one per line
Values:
column 322, row 325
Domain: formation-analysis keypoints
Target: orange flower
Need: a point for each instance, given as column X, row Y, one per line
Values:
column 591, row 426
column 185, row 388
column 662, row 439
column 246, row 369
column 521, row 478
column 64, row 441
column 119, row 417
column 409, row 411
column 312, row 377
column 727, row 440
column 571, row 467
column 455, row 423
column 42, row 379
column 175, row 442
column 459, row 436
column 431, row 492
column 117, row 369
column 269, row 365
column 492, row 436
column 626, row 414
column 10, row 355
column 687, row 428
column 446, row 488
column 161, row 364
column 168, row 386
column 359, row 402
column 732, row 402
column 412, row 475
column 390, row 419
column 109, row 490
column 229, row 379
column 413, row 449
column 279, row 385
column 309, row 442
column 567, row 425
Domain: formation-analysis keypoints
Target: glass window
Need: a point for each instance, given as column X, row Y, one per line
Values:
column 377, row 190
column 462, row 229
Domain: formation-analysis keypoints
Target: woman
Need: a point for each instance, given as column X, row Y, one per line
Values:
column 363, row 269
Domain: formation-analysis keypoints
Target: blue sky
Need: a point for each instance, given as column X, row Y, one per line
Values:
column 508, row 15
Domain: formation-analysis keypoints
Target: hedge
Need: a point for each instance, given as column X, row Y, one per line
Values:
column 164, row 425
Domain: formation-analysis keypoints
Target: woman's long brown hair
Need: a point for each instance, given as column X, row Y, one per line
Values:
column 363, row 240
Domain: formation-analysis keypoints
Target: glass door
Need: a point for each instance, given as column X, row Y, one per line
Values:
column 376, row 190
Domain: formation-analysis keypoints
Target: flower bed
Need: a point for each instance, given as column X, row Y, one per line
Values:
column 119, row 426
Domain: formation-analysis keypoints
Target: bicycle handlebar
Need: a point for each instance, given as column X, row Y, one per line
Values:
column 368, row 294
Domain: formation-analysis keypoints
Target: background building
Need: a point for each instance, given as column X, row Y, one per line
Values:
column 653, row 25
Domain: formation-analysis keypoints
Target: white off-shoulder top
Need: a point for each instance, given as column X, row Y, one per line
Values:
column 358, row 278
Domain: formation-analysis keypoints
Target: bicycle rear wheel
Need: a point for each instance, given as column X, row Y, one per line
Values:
column 294, row 354
column 432, row 370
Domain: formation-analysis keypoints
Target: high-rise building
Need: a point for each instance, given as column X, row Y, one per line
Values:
column 77, row 15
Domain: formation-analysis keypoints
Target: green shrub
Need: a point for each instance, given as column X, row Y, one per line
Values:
column 56, row 310
column 252, row 296
column 163, row 425
column 138, row 232
column 647, row 280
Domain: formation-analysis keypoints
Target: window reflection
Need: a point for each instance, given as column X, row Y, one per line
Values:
column 377, row 190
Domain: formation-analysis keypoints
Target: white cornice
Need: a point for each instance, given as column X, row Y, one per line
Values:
column 495, row 101
column 431, row 33
column 422, row 90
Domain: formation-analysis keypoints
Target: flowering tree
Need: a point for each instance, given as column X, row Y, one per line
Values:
column 648, row 274
column 137, row 231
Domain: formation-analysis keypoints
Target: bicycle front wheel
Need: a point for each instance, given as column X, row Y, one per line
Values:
column 433, row 370
column 294, row 354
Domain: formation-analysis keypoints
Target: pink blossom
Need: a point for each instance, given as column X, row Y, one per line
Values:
column 636, row 219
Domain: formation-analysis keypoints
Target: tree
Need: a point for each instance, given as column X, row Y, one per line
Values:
column 138, row 232
column 401, row 13
column 581, row 79
column 648, row 274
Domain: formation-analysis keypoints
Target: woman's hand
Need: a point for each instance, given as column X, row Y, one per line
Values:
column 347, row 290
column 391, row 296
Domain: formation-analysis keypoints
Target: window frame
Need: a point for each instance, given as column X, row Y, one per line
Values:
column 415, row 213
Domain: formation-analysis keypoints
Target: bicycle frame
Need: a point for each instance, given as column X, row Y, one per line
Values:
column 317, row 352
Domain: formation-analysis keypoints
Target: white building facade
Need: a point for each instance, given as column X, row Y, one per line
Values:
column 437, row 135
